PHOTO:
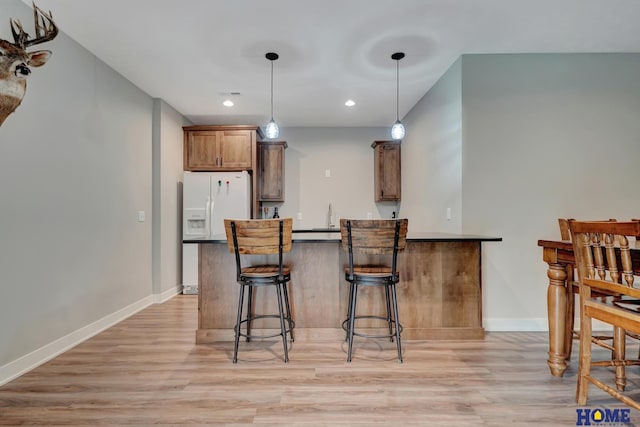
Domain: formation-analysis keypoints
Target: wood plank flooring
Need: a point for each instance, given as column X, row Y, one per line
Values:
column 147, row 371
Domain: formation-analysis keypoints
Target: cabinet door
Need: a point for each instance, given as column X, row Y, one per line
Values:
column 234, row 149
column 200, row 151
column 387, row 171
column 271, row 179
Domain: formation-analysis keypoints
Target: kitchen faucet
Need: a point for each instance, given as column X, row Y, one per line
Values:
column 330, row 223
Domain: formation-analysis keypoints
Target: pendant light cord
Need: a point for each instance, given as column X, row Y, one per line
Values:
column 271, row 89
column 397, row 89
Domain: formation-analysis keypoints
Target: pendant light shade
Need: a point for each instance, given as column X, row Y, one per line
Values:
column 272, row 130
column 397, row 130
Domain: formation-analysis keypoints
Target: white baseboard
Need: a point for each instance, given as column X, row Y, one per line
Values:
column 166, row 295
column 513, row 325
column 37, row 357
column 531, row 325
column 190, row 289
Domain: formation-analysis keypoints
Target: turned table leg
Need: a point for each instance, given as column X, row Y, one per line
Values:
column 556, row 311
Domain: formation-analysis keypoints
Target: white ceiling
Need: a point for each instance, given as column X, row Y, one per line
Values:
column 192, row 53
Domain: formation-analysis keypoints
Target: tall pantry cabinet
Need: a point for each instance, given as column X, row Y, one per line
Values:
column 271, row 171
column 387, row 172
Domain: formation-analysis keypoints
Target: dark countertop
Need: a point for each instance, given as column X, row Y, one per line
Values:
column 318, row 230
column 333, row 236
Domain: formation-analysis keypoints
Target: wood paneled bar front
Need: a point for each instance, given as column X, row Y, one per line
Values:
column 439, row 294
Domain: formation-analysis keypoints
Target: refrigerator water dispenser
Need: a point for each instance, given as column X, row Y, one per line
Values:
column 194, row 222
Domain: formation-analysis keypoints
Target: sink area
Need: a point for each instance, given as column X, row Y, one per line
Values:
column 318, row 230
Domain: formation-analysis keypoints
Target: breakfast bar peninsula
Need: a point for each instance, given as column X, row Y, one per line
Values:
column 439, row 294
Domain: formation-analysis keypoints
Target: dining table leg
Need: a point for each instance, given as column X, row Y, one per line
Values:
column 556, row 312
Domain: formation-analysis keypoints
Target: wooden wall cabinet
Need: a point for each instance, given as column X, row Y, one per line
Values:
column 219, row 148
column 387, row 171
column 271, row 171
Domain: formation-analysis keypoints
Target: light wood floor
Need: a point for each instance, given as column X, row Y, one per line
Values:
column 148, row 371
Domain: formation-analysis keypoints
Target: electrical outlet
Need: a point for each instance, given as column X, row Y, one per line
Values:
column 299, row 216
column 327, row 173
column 369, row 215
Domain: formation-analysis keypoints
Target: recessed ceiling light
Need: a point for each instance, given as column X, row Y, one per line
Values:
column 228, row 103
column 350, row 103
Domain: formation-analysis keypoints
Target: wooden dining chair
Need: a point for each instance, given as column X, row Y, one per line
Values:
column 637, row 220
column 573, row 292
column 261, row 237
column 380, row 239
column 604, row 268
column 565, row 232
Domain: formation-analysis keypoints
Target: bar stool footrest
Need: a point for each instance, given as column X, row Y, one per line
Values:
column 345, row 327
column 287, row 320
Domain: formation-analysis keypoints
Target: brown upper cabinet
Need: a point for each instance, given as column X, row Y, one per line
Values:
column 220, row 148
column 271, row 171
column 387, row 171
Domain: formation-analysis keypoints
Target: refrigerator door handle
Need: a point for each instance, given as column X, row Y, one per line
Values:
column 207, row 219
column 212, row 205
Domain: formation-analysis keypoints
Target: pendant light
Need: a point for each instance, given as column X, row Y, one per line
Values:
column 397, row 130
column 272, row 131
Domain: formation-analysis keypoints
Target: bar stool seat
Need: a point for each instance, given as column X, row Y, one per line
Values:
column 364, row 271
column 264, row 271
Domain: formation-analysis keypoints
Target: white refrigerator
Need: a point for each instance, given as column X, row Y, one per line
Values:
column 207, row 199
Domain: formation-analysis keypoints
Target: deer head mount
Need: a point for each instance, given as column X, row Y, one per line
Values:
column 15, row 60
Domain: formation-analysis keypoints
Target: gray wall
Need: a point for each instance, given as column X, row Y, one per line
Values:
column 431, row 166
column 75, row 170
column 432, row 157
column 347, row 154
column 544, row 136
column 167, row 198
column 511, row 143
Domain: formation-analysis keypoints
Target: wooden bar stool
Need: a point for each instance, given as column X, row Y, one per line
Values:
column 261, row 237
column 382, row 239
